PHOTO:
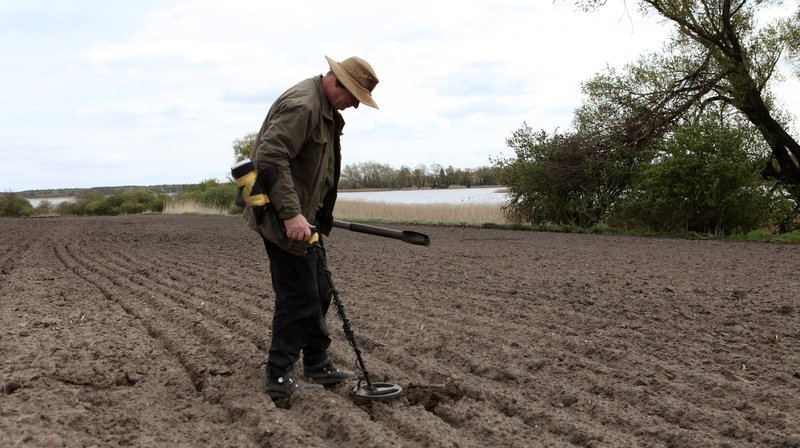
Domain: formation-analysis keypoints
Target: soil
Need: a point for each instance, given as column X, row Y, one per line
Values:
column 151, row 331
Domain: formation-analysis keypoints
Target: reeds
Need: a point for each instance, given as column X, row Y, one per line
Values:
column 191, row 207
column 478, row 213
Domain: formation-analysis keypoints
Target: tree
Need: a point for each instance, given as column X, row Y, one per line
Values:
column 486, row 175
column 418, row 175
column 570, row 178
column 242, row 147
column 403, row 178
column 719, row 54
column 704, row 179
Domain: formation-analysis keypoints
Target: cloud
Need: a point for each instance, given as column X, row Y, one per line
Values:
column 483, row 79
column 260, row 96
column 160, row 89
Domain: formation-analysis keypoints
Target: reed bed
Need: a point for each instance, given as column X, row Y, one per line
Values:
column 479, row 213
column 192, row 207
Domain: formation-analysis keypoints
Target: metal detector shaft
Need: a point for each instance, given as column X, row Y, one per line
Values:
column 348, row 332
column 407, row 236
column 372, row 391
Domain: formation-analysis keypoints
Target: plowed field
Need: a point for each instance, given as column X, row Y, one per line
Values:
column 151, row 331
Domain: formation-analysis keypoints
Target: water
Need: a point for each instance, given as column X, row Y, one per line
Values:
column 449, row 196
column 53, row 201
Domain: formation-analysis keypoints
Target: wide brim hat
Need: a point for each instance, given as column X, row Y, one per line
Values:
column 357, row 76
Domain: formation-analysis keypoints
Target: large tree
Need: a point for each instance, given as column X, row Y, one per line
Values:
column 718, row 54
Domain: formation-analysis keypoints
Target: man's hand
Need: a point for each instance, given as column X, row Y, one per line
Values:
column 298, row 228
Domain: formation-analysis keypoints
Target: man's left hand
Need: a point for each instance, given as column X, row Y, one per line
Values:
column 298, row 228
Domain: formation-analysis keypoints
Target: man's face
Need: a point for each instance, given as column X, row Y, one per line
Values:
column 343, row 98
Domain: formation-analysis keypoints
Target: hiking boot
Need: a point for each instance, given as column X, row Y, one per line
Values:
column 327, row 374
column 282, row 385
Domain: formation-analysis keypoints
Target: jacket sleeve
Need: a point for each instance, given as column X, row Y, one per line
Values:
column 289, row 128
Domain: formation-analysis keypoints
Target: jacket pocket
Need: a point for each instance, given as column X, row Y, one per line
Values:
column 309, row 187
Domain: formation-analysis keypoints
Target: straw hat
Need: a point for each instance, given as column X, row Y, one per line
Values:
column 357, row 76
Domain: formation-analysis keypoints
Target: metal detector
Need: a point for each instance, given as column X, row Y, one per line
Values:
column 367, row 390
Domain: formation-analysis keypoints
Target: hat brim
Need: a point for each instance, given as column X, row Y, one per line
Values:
column 362, row 95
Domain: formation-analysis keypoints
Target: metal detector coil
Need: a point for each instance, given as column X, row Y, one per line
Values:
column 377, row 391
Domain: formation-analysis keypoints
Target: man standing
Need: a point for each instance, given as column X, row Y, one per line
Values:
column 297, row 156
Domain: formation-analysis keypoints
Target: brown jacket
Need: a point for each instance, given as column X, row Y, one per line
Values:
column 294, row 146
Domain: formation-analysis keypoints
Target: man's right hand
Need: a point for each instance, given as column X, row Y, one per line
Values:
column 298, row 228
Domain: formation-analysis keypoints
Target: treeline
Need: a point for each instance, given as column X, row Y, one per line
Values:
column 379, row 175
column 106, row 191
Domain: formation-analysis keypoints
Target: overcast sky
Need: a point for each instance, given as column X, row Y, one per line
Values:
column 101, row 93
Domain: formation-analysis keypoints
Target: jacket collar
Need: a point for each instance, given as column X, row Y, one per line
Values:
column 327, row 108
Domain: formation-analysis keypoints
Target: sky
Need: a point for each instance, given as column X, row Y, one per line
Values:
column 98, row 93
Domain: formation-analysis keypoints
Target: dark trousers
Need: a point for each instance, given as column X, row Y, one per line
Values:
column 302, row 296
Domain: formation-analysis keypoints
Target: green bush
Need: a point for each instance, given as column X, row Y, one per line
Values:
column 235, row 210
column 129, row 208
column 79, row 205
column 13, row 205
column 210, row 193
column 98, row 207
column 69, row 208
column 704, row 180
column 127, row 202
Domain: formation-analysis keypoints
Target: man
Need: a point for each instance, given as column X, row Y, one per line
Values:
column 297, row 156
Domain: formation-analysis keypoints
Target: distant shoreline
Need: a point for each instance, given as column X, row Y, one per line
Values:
column 50, row 193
